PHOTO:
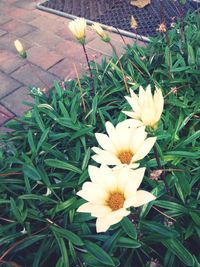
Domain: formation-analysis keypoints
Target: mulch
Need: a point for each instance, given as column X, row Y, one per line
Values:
column 117, row 13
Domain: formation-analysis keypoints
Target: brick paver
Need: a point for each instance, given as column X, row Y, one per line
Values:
column 5, row 115
column 18, row 28
column 14, row 101
column 43, row 57
column 51, row 48
column 34, row 76
column 2, row 32
column 7, row 85
column 10, row 62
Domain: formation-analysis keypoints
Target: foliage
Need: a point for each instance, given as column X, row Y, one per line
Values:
column 50, row 148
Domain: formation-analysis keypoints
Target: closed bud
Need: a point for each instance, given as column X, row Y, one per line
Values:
column 20, row 49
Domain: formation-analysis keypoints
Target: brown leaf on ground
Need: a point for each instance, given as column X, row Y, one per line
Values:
column 140, row 3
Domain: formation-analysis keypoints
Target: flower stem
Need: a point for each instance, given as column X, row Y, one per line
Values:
column 120, row 65
column 87, row 59
column 160, row 167
column 80, row 88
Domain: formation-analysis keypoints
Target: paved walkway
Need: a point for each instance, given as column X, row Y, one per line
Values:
column 51, row 50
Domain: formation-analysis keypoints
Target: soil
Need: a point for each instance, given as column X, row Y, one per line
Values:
column 117, row 13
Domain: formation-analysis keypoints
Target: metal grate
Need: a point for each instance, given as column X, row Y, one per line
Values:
column 117, row 13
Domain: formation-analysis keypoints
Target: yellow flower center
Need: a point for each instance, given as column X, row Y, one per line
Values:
column 125, row 157
column 116, row 201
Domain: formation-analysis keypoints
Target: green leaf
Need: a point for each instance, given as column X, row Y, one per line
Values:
column 176, row 247
column 98, row 253
column 158, row 228
column 55, row 163
column 75, row 239
column 42, row 138
column 31, row 172
column 127, row 242
column 129, row 228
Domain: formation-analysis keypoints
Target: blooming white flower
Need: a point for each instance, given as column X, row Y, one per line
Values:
column 98, row 29
column 146, row 107
column 78, row 28
column 125, row 144
column 20, row 49
column 111, row 192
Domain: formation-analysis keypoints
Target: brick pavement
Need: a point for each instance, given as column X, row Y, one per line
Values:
column 51, row 51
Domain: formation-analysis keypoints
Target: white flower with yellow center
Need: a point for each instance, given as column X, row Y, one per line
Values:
column 78, row 28
column 98, row 29
column 110, row 193
column 146, row 107
column 125, row 144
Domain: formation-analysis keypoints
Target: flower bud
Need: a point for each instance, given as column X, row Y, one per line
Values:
column 20, row 49
column 98, row 29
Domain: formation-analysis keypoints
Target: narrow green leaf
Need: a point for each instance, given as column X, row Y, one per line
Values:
column 98, row 253
column 55, row 163
column 75, row 239
column 176, row 247
column 129, row 228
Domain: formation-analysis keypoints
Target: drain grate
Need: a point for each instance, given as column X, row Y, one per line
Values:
column 117, row 13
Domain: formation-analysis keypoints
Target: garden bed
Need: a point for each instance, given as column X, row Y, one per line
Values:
column 51, row 156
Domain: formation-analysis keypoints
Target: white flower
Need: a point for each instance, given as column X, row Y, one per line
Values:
column 98, row 29
column 110, row 193
column 146, row 107
column 125, row 144
column 78, row 28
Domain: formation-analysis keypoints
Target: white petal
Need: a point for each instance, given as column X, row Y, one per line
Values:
column 141, row 197
column 137, row 138
column 134, row 102
column 108, row 178
column 158, row 103
column 136, row 177
column 93, row 193
column 132, row 114
column 95, row 210
column 145, row 148
column 93, row 173
column 124, row 136
column 103, row 223
column 106, row 158
column 112, row 133
column 105, row 142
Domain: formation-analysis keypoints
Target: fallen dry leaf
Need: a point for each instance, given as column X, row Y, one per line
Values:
column 140, row 3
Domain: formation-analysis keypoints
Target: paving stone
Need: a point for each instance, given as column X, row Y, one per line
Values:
column 65, row 69
column 48, row 24
column 15, row 99
column 104, row 48
column 74, row 51
column 43, row 38
column 23, row 14
column 43, row 57
column 30, row 5
column 2, row 32
column 7, row 42
column 10, row 61
column 8, row 85
column 4, row 19
column 18, row 28
column 5, row 115
column 32, row 75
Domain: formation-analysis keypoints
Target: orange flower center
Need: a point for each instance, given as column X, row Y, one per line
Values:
column 116, row 201
column 125, row 157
